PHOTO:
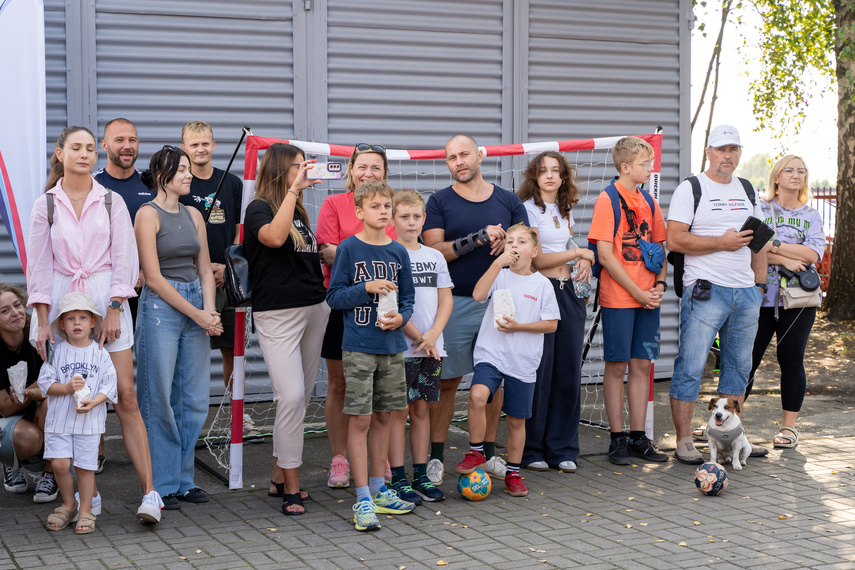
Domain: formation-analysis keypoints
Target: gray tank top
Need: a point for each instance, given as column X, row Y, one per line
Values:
column 177, row 244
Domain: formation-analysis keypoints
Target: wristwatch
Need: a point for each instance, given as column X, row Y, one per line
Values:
column 763, row 286
column 664, row 285
column 776, row 243
column 116, row 305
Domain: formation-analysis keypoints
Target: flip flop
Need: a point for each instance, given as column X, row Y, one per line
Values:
column 700, row 433
column 790, row 441
column 85, row 524
column 61, row 517
column 291, row 499
column 280, row 491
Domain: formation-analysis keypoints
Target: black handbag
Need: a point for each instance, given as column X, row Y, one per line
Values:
column 236, row 276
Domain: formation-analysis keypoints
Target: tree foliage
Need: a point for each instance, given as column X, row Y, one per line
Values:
column 756, row 169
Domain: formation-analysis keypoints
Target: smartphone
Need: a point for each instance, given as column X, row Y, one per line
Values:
column 762, row 233
column 49, row 351
column 324, row 171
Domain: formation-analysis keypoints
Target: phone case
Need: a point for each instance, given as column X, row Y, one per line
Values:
column 762, row 233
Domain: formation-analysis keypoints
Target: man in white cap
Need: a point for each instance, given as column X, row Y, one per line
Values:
column 723, row 282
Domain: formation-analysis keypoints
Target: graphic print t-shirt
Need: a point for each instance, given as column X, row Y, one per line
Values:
column 430, row 272
column 225, row 214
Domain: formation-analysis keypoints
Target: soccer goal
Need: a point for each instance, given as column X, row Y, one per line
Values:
column 424, row 171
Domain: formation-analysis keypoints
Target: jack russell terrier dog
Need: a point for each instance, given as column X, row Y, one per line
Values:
column 726, row 434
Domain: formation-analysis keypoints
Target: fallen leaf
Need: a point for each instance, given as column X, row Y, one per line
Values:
column 455, row 524
column 530, row 548
column 198, row 552
column 439, row 512
column 627, row 510
column 746, row 497
column 449, row 548
column 681, row 544
column 726, row 540
column 643, row 524
column 627, row 526
column 589, row 514
column 341, row 500
column 544, row 515
column 446, row 523
column 362, row 560
column 712, row 540
column 183, row 557
column 697, row 523
column 696, row 499
column 659, row 540
column 271, row 529
column 584, row 520
column 389, row 517
column 402, row 568
column 599, row 474
column 441, row 563
column 465, row 526
column 617, row 472
column 782, row 517
column 630, row 498
column 451, row 447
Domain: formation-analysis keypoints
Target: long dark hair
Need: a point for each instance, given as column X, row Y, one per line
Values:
column 56, row 167
column 568, row 192
column 272, row 183
column 163, row 167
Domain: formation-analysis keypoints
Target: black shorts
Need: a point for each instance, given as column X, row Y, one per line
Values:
column 331, row 348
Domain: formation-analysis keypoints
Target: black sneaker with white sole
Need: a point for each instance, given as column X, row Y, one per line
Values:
column 619, row 450
column 14, row 481
column 194, row 495
column 46, row 489
column 644, row 448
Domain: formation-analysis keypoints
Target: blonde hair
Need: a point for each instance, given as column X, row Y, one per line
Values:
column 272, row 184
column 371, row 187
column 407, row 197
column 628, row 149
column 521, row 227
column 805, row 194
column 348, row 180
column 196, row 128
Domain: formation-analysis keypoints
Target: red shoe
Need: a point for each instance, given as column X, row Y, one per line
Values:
column 514, row 485
column 471, row 461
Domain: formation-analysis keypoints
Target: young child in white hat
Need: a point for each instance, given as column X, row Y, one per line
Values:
column 78, row 381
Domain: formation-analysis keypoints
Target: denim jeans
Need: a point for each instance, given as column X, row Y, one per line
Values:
column 173, row 378
column 733, row 313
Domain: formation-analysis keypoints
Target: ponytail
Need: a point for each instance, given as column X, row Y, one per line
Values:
column 56, row 167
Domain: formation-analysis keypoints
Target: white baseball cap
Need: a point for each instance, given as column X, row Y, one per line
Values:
column 724, row 135
column 76, row 301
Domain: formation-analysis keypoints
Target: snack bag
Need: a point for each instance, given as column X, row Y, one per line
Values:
column 18, row 379
column 503, row 306
column 83, row 394
column 388, row 304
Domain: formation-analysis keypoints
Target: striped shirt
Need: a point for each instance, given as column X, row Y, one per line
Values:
column 96, row 367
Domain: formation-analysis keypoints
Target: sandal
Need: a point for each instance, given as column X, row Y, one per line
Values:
column 85, row 524
column 789, row 441
column 290, row 500
column 280, row 491
column 700, row 433
column 690, row 455
column 61, row 517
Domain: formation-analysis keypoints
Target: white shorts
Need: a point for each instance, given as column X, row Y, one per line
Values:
column 82, row 447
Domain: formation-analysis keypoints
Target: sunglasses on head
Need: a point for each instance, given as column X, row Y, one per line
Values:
column 362, row 147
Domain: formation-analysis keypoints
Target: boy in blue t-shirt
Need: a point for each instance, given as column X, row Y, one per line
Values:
column 369, row 266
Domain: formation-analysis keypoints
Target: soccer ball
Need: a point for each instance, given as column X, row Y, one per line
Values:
column 711, row 479
column 475, row 486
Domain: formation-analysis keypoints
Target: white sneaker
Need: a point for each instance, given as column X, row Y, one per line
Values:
column 497, row 467
column 149, row 511
column 96, row 505
column 538, row 466
column 249, row 427
column 567, row 466
column 435, row 471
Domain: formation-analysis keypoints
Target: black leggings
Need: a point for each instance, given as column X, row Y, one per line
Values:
column 792, row 331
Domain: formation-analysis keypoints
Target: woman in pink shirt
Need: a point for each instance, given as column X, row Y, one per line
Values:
column 89, row 246
column 337, row 221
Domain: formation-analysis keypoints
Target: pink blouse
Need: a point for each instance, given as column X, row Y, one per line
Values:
column 79, row 248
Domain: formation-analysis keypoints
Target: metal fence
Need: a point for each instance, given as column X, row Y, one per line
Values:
column 825, row 202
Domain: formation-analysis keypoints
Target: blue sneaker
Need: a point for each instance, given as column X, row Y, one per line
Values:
column 427, row 490
column 406, row 493
column 365, row 515
column 387, row 502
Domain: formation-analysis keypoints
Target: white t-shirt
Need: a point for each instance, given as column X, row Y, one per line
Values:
column 517, row 354
column 96, row 367
column 722, row 206
column 552, row 239
column 430, row 272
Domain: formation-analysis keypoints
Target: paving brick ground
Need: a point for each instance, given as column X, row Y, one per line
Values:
column 794, row 509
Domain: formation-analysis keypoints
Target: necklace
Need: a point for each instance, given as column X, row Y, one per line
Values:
column 556, row 219
column 76, row 201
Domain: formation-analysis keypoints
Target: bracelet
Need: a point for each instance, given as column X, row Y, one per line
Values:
column 464, row 245
column 664, row 285
column 294, row 193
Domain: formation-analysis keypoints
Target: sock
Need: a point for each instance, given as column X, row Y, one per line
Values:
column 635, row 435
column 513, row 468
column 398, row 474
column 363, row 494
column 437, row 450
column 419, row 471
column 477, row 446
column 616, row 434
column 489, row 449
column 376, row 485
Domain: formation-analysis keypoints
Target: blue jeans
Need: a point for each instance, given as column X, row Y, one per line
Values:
column 173, row 377
column 733, row 313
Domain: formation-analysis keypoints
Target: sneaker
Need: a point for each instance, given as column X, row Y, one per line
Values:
column 101, row 460
column 387, row 502
column 46, row 489
column 426, row 489
column 249, row 427
column 406, row 492
column 619, row 451
column 514, row 484
column 149, row 511
column 567, row 466
column 644, row 448
column 471, row 461
column 388, row 474
column 14, row 480
column 339, row 472
column 497, row 467
column 194, row 495
column 435, row 471
column 170, row 502
column 538, row 466
column 365, row 515
column 96, row 505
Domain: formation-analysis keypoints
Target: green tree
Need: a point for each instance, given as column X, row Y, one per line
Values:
column 756, row 169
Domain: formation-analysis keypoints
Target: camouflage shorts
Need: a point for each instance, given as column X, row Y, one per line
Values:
column 373, row 383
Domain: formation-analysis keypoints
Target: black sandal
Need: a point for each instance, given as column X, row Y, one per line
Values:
column 280, row 491
column 291, row 499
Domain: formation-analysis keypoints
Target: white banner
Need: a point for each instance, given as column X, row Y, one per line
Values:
column 22, row 115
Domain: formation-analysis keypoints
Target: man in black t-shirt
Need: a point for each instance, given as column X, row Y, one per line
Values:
column 197, row 140
column 122, row 146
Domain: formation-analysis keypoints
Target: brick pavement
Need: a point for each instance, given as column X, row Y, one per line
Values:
column 794, row 509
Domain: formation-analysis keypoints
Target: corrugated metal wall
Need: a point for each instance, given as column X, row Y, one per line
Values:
column 406, row 73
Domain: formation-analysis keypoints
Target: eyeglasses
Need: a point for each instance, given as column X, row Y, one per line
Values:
column 648, row 164
column 362, row 147
column 791, row 171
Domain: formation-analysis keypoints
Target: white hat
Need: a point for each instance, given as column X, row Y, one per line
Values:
column 76, row 301
column 724, row 135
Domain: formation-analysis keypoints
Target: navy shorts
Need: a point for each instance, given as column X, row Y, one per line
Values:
column 518, row 394
column 630, row 333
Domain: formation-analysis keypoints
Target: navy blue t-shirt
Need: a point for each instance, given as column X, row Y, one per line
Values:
column 459, row 217
column 355, row 263
column 131, row 189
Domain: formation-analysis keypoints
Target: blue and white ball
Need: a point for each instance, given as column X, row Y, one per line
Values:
column 711, row 479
